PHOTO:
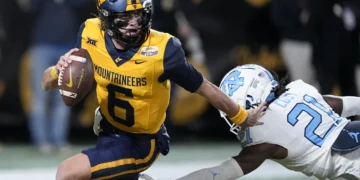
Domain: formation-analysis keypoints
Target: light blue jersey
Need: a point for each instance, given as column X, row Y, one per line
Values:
column 302, row 122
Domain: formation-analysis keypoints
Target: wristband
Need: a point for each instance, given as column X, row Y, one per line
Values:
column 54, row 73
column 240, row 117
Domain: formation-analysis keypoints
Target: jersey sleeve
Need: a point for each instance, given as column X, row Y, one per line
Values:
column 79, row 36
column 178, row 69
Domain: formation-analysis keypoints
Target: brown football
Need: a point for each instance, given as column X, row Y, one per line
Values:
column 76, row 80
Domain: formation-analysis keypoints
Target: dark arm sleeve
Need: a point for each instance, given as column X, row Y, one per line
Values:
column 178, row 69
column 79, row 36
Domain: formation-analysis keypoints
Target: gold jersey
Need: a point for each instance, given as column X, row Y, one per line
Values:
column 133, row 87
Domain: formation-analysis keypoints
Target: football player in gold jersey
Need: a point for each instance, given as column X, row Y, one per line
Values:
column 133, row 66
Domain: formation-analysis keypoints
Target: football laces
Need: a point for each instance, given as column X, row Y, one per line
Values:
column 61, row 74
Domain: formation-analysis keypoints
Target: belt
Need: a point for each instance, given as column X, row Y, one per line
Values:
column 108, row 128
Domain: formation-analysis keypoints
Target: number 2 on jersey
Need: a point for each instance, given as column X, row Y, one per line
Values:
column 316, row 120
column 115, row 102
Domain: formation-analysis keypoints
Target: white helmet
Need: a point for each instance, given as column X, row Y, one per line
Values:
column 247, row 85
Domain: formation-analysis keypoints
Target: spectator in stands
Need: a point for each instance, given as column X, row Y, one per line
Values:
column 351, row 20
column 54, row 33
column 337, row 51
column 169, row 17
column 296, row 21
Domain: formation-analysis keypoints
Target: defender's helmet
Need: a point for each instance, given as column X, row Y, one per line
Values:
column 116, row 14
column 248, row 85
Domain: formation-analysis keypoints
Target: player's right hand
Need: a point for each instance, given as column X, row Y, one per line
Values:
column 64, row 60
column 254, row 115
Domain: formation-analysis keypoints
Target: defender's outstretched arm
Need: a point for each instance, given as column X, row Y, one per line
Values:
column 248, row 160
column 345, row 106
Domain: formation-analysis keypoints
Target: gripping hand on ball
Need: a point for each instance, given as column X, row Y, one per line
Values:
column 64, row 60
column 76, row 75
column 50, row 76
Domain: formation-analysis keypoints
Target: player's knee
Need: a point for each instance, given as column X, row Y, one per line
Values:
column 77, row 167
column 62, row 173
column 65, row 173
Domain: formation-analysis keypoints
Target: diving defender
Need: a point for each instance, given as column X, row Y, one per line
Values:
column 304, row 131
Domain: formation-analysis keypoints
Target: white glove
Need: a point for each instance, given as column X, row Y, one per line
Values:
column 97, row 120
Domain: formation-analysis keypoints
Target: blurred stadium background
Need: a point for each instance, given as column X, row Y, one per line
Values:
column 315, row 40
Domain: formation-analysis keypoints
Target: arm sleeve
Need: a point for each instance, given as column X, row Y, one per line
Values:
column 351, row 106
column 79, row 36
column 345, row 106
column 178, row 69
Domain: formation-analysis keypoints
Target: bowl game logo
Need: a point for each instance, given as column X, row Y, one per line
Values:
column 149, row 51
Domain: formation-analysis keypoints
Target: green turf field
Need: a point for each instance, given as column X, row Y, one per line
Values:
column 19, row 161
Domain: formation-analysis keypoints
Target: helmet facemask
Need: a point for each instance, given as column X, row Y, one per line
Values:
column 115, row 22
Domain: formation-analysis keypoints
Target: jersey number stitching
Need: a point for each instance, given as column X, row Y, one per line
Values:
column 292, row 118
column 115, row 102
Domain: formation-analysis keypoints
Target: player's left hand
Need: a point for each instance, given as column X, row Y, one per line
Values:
column 254, row 115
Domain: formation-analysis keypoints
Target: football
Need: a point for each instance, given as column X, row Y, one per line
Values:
column 76, row 80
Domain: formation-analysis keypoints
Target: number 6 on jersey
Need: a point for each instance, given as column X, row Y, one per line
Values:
column 114, row 102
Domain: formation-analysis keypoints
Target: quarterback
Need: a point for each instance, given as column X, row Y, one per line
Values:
column 133, row 66
column 304, row 131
